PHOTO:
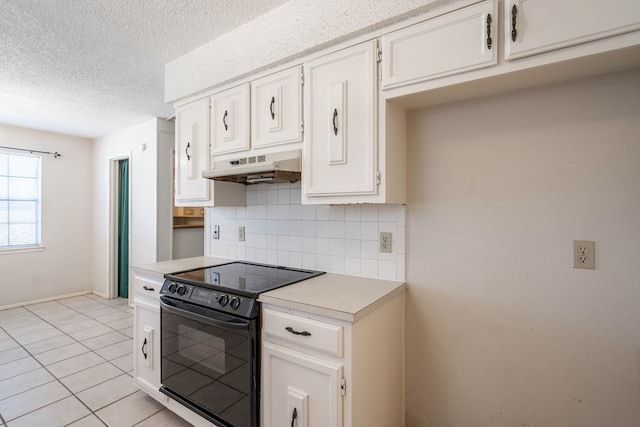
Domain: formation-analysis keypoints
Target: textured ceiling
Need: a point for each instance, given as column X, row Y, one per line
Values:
column 91, row 67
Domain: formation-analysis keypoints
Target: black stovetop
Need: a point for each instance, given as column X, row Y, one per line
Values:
column 243, row 278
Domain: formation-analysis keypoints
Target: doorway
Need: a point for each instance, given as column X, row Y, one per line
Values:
column 119, row 226
column 123, row 228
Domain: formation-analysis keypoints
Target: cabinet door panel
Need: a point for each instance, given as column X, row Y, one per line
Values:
column 276, row 109
column 340, row 143
column 147, row 345
column 294, row 382
column 545, row 25
column 230, row 120
column 192, row 152
column 459, row 41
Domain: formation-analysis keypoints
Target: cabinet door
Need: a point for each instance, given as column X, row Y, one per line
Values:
column 459, row 41
column 192, row 153
column 276, row 109
column 537, row 26
column 339, row 156
column 146, row 345
column 300, row 390
column 230, row 120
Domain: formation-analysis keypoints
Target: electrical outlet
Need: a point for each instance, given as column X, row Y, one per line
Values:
column 215, row 233
column 584, row 254
column 385, row 242
column 241, row 237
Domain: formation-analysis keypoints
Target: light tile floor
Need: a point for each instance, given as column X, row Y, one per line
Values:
column 69, row 362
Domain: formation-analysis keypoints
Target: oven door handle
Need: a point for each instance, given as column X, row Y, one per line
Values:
column 165, row 305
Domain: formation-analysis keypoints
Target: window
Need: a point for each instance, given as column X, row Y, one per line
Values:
column 19, row 201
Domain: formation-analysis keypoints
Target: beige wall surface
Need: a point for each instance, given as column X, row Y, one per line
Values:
column 145, row 188
column 501, row 330
column 63, row 267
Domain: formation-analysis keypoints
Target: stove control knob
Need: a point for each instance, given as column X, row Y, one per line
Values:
column 234, row 303
column 223, row 300
column 172, row 287
column 182, row 289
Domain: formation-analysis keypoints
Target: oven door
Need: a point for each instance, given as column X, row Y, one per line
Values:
column 209, row 362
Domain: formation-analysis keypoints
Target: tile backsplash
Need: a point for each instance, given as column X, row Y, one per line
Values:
column 334, row 238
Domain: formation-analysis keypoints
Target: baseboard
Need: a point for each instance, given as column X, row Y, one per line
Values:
column 37, row 301
column 100, row 294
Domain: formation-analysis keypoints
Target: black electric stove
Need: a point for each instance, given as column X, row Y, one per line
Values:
column 232, row 287
column 210, row 338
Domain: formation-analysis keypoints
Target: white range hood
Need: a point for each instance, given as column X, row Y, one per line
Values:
column 284, row 166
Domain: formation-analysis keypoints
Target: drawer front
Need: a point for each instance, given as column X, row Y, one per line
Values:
column 314, row 334
column 147, row 288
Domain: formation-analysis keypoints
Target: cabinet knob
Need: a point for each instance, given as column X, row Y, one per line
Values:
column 335, row 124
column 294, row 415
column 144, row 350
column 224, row 120
column 186, row 151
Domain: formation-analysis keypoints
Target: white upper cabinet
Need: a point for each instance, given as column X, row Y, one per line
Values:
column 230, row 120
column 537, row 26
column 192, row 154
column 339, row 156
column 276, row 108
column 453, row 43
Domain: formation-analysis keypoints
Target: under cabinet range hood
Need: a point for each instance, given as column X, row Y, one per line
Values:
column 284, row 166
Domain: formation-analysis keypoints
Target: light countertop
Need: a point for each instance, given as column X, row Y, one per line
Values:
column 336, row 296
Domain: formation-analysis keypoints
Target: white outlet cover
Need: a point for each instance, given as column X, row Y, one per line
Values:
column 584, row 254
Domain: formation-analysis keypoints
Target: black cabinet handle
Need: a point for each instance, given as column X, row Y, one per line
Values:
column 294, row 416
column 514, row 31
column 186, row 151
column 294, row 332
column 224, row 120
column 144, row 351
column 489, row 39
column 335, row 126
column 273, row 114
column 146, row 288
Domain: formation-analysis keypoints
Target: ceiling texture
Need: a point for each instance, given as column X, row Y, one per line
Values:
column 91, row 67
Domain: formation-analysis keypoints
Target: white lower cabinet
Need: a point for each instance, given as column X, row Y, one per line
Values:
column 147, row 345
column 323, row 372
column 302, row 390
column 146, row 332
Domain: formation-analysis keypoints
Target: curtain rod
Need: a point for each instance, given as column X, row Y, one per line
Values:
column 55, row 155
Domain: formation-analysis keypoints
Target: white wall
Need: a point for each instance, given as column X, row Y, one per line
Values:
column 292, row 30
column 147, row 223
column 338, row 239
column 501, row 330
column 188, row 242
column 64, row 266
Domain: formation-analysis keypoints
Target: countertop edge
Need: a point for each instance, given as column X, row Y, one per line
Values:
column 173, row 266
column 331, row 312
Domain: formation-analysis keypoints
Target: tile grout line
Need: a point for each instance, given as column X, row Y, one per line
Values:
column 92, row 412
